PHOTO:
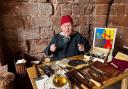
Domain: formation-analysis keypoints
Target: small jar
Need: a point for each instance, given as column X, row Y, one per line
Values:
column 110, row 57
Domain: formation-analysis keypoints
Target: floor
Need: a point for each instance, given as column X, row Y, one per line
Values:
column 23, row 83
column 115, row 86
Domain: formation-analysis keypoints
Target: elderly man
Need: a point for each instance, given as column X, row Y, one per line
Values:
column 68, row 42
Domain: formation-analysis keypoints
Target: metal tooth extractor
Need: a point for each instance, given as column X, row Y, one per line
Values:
column 126, row 47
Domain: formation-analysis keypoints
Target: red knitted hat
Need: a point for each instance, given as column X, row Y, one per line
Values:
column 65, row 19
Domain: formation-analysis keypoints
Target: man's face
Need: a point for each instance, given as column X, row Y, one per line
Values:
column 67, row 28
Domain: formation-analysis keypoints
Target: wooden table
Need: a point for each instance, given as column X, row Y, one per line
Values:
column 32, row 75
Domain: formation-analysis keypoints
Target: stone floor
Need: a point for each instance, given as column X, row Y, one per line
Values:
column 115, row 86
column 23, row 83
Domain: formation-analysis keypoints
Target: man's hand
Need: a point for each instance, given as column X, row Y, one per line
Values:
column 53, row 48
column 81, row 47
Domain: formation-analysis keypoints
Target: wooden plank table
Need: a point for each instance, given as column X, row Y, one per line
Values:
column 32, row 74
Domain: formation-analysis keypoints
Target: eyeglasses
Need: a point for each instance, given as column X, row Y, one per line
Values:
column 67, row 26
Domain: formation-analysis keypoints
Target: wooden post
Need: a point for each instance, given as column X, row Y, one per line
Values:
column 124, row 84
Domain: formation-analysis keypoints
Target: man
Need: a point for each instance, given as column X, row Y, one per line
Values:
column 68, row 42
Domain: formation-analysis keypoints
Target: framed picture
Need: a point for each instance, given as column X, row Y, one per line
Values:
column 103, row 42
column 104, row 37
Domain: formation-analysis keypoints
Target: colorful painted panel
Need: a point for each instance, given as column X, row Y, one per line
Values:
column 104, row 37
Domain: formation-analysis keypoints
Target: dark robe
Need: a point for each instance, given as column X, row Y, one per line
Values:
column 67, row 47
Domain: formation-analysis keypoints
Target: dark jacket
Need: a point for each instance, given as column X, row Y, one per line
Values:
column 67, row 48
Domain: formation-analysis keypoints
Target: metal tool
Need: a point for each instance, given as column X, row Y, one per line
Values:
column 70, row 75
column 91, row 79
column 88, row 77
column 99, row 71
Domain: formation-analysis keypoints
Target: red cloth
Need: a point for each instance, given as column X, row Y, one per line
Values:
column 121, row 64
column 65, row 19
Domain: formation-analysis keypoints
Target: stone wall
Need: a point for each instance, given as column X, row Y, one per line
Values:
column 27, row 26
column 1, row 55
column 118, row 18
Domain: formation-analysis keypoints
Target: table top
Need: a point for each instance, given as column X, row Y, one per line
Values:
column 32, row 74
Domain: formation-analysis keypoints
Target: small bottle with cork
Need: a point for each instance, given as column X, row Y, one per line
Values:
column 110, row 56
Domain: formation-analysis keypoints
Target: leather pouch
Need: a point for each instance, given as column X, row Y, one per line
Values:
column 101, row 71
column 78, row 78
column 106, row 68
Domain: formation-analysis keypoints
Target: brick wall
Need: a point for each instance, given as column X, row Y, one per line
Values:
column 28, row 25
column 118, row 18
